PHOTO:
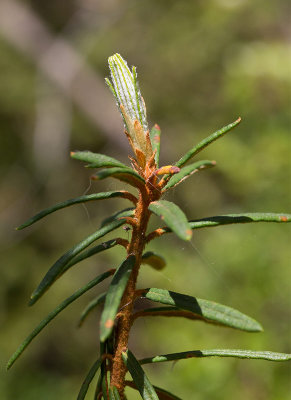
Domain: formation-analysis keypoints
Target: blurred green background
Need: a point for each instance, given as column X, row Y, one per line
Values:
column 201, row 64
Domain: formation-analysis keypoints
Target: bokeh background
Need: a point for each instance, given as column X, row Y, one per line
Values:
column 201, row 64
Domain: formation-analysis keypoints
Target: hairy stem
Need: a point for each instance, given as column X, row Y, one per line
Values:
column 122, row 329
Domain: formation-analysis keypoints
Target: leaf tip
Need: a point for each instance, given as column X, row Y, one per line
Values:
column 188, row 234
column 283, row 218
column 109, row 323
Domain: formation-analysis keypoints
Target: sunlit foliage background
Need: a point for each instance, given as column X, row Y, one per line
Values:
column 201, row 64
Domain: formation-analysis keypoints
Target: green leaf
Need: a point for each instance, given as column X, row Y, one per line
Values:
column 123, row 174
column 96, row 160
column 113, row 393
column 239, row 219
column 139, row 377
column 187, row 171
column 154, row 260
column 229, row 219
column 173, row 216
column 91, row 252
column 162, row 393
column 60, row 265
column 206, row 142
column 207, row 310
column 90, row 307
column 68, row 203
column 155, row 136
column 114, row 296
column 127, row 212
column 54, row 313
column 257, row 355
column 90, row 376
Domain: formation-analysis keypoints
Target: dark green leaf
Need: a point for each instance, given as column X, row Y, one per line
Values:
column 257, row 355
column 207, row 310
column 127, row 212
column 229, row 219
column 113, row 393
column 187, row 171
column 123, row 174
column 173, row 216
column 154, row 260
column 54, row 313
column 88, row 379
column 239, row 219
column 57, row 269
column 155, row 136
column 90, row 252
column 206, row 142
column 162, row 393
column 90, row 307
column 96, row 160
column 68, row 203
column 114, row 296
column 139, row 377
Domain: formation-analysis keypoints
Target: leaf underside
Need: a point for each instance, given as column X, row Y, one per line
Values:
column 249, row 354
column 207, row 310
column 173, row 216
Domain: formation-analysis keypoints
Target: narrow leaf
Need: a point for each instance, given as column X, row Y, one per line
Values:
column 155, row 136
column 114, row 296
column 77, row 200
column 139, row 377
column 239, row 219
column 91, row 252
column 123, row 174
column 127, row 212
column 173, row 216
column 60, row 265
column 96, row 160
column 113, row 393
column 154, row 260
column 187, row 171
column 206, row 142
column 90, row 376
column 54, row 313
column 229, row 219
column 162, row 393
column 257, row 355
column 90, row 307
column 207, row 310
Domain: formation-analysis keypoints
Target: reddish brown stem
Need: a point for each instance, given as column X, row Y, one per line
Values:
column 124, row 321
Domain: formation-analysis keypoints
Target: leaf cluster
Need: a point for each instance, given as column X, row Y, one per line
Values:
column 151, row 182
